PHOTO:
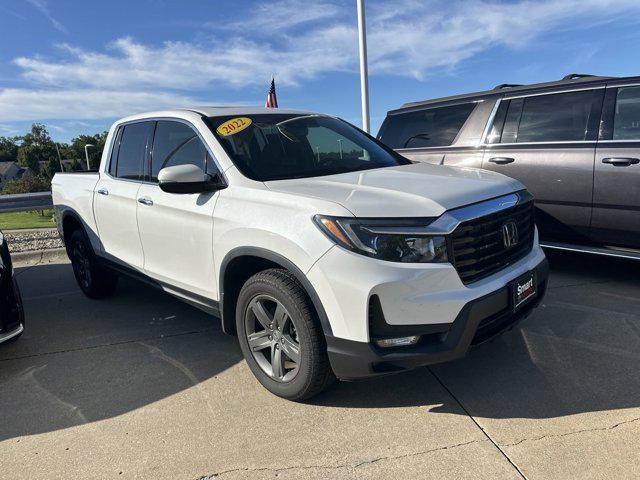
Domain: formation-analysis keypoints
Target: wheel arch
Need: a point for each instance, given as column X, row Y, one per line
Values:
column 69, row 222
column 243, row 262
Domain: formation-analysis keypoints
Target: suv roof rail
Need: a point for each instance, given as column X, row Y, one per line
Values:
column 573, row 76
column 507, row 85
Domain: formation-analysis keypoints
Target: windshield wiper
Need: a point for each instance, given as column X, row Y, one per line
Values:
column 424, row 136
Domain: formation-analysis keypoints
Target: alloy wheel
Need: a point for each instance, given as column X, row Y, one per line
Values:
column 272, row 338
column 81, row 264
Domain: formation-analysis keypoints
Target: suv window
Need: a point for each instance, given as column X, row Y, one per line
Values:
column 555, row 117
column 434, row 127
column 176, row 143
column 626, row 120
column 133, row 149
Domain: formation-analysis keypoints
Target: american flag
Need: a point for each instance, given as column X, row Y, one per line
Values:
column 272, row 100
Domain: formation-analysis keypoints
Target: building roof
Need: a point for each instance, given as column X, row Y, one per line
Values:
column 5, row 166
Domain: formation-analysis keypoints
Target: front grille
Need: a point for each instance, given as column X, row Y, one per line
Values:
column 478, row 245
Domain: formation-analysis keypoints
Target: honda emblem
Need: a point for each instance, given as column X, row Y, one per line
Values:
column 509, row 234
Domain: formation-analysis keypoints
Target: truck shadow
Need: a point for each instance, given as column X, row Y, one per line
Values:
column 579, row 352
column 82, row 360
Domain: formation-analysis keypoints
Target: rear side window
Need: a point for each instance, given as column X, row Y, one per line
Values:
column 626, row 120
column 435, row 127
column 555, row 117
column 133, row 150
column 176, row 143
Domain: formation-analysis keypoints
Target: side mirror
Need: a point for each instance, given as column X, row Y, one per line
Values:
column 188, row 179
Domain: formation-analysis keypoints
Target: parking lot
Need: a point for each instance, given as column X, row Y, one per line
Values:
column 143, row 386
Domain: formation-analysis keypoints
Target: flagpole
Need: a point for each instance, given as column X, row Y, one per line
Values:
column 364, row 74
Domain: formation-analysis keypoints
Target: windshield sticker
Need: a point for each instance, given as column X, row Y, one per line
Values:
column 233, row 126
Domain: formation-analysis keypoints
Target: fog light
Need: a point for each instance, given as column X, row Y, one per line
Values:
column 398, row 342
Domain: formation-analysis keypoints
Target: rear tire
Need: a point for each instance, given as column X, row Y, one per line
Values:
column 94, row 281
column 281, row 337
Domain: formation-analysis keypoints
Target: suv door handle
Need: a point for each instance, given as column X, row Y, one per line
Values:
column 621, row 161
column 103, row 191
column 502, row 160
column 145, row 201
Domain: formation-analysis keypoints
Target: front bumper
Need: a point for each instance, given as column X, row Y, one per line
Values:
column 478, row 321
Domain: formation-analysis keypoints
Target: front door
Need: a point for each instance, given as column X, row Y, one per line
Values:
column 616, row 192
column 547, row 142
column 177, row 229
column 116, row 195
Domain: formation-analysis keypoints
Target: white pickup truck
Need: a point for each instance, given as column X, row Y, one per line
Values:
column 325, row 252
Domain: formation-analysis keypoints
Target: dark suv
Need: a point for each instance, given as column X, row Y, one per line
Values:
column 574, row 143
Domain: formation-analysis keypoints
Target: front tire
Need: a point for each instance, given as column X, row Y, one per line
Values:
column 94, row 281
column 280, row 336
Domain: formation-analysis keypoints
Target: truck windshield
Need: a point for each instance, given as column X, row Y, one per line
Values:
column 284, row 146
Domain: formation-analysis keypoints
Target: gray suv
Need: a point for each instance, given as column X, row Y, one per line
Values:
column 574, row 143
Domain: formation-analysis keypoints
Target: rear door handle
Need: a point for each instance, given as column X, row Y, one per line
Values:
column 621, row 161
column 103, row 191
column 145, row 201
column 502, row 160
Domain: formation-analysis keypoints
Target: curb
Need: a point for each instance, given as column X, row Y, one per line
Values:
column 22, row 259
column 15, row 231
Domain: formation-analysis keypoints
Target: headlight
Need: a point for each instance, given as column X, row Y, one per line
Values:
column 394, row 240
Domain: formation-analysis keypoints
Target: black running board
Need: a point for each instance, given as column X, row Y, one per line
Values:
column 605, row 251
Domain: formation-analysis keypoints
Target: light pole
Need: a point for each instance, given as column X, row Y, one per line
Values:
column 340, row 146
column 364, row 74
column 86, row 154
column 59, row 158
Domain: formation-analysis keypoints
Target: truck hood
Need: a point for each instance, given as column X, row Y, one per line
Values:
column 416, row 190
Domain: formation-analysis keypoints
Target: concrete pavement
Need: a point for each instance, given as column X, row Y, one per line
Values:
column 143, row 386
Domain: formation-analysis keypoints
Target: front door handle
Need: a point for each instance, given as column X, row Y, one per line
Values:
column 621, row 161
column 502, row 160
column 145, row 201
column 103, row 191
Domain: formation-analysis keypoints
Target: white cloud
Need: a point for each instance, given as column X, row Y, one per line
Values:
column 43, row 7
column 24, row 104
column 296, row 40
column 418, row 38
column 273, row 17
column 181, row 65
column 413, row 38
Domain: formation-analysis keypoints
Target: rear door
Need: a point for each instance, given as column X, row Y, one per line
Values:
column 177, row 229
column 116, row 195
column 616, row 193
column 547, row 141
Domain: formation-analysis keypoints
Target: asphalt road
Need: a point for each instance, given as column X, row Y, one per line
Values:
column 143, row 386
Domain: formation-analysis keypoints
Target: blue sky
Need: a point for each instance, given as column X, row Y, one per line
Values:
column 76, row 66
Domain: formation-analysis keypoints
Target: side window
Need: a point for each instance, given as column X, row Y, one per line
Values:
column 176, row 144
column 133, row 150
column 498, row 123
column 512, row 119
column 626, row 119
column 113, row 161
column 555, row 117
column 434, row 127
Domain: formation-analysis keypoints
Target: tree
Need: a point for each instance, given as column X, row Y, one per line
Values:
column 27, row 184
column 78, row 143
column 36, row 146
column 8, row 149
column 75, row 165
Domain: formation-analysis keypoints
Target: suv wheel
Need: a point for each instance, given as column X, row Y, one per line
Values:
column 280, row 336
column 94, row 281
